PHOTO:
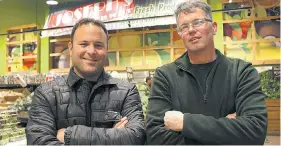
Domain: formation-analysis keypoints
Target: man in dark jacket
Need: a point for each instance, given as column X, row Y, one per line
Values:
column 86, row 107
column 204, row 97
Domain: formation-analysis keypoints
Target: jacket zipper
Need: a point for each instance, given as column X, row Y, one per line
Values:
column 204, row 95
column 88, row 108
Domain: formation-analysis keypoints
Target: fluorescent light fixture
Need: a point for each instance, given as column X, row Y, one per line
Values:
column 52, row 2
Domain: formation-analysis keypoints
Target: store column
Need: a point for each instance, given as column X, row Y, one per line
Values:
column 44, row 55
column 3, row 54
column 218, row 17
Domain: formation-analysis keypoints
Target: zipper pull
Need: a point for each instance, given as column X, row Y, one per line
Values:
column 205, row 100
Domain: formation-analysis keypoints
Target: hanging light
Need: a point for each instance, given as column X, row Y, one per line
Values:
column 52, row 2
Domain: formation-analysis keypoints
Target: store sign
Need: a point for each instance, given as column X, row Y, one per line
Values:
column 114, row 13
column 141, row 23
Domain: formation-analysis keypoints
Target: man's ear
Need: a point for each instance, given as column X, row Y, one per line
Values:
column 70, row 47
column 214, row 24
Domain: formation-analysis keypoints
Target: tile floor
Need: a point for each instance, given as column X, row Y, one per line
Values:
column 272, row 140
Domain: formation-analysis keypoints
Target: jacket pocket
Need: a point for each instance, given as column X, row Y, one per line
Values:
column 105, row 118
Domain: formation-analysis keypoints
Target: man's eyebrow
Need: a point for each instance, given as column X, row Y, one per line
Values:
column 184, row 24
column 83, row 41
column 99, row 42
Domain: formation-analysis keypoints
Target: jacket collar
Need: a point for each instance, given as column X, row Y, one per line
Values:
column 104, row 79
column 72, row 78
column 184, row 63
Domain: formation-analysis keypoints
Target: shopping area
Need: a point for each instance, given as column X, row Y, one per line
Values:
column 142, row 36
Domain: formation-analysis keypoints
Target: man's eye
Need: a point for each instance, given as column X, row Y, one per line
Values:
column 197, row 22
column 83, row 45
column 184, row 27
column 98, row 46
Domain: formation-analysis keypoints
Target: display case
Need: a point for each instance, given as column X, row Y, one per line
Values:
column 22, row 49
column 252, row 30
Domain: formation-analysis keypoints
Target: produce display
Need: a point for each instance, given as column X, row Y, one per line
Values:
column 144, row 92
column 8, row 97
column 10, row 131
column 22, row 104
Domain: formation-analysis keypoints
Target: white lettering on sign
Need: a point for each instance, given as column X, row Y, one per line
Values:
column 107, row 10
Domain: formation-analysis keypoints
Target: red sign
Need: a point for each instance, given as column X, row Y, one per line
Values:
column 105, row 11
column 139, row 13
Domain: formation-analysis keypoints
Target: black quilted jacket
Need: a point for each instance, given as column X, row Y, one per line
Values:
column 64, row 103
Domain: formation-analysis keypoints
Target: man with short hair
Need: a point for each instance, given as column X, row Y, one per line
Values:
column 204, row 97
column 88, row 106
column 148, row 81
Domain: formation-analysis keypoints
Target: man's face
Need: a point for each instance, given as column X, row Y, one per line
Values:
column 198, row 37
column 88, row 49
column 149, row 82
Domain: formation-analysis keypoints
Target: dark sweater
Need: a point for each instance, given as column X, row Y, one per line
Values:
column 232, row 85
column 201, row 72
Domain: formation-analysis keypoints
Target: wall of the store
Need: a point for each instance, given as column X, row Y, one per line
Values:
column 19, row 12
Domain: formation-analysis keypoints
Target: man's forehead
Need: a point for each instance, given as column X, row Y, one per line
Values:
column 190, row 11
column 92, row 28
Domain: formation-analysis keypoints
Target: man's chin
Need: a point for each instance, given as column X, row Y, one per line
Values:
column 90, row 70
column 93, row 70
column 196, row 49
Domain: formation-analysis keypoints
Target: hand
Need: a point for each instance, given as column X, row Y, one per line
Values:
column 173, row 120
column 231, row 116
column 60, row 135
column 121, row 123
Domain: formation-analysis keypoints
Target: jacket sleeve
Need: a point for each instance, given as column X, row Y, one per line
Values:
column 41, row 126
column 250, row 125
column 159, row 103
column 132, row 134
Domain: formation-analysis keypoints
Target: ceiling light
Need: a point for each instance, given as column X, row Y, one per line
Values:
column 52, row 2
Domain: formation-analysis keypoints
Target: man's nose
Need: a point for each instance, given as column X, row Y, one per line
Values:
column 190, row 29
column 91, row 49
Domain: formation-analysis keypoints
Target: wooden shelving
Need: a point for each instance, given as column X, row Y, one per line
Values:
column 251, row 19
column 144, row 50
column 252, row 41
column 22, row 49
